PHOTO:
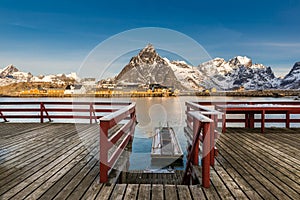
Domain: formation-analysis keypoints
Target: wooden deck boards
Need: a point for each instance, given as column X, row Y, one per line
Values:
column 50, row 161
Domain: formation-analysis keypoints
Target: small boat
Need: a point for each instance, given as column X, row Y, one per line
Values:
column 165, row 145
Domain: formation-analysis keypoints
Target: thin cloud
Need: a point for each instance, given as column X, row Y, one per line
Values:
column 273, row 44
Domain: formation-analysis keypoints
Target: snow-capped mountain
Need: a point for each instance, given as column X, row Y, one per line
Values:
column 292, row 79
column 238, row 72
column 148, row 67
column 11, row 74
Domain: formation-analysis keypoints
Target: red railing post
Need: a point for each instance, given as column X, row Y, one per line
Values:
column 206, row 149
column 3, row 117
column 251, row 120
column 104, row 127
column 247, row 124
column 224, row 121
column 41, row 112
column 212, row 139
column 262, row 121
column 196, row 127
column 91, row 110
column 287, row 118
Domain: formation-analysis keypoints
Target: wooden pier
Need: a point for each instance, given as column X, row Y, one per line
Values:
column 50, row 161
column 165, row 146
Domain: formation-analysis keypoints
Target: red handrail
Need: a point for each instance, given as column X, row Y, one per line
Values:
column 106, row 142
column 250, row 110
column 249, row 119
column 57, row 110
column 210, row 113
column 202, row 131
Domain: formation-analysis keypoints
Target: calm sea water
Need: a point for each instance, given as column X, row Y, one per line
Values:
column 153, row 112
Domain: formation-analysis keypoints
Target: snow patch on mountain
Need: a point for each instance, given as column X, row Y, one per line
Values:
column 11, row 74
column 189, row 76
column 237, row 72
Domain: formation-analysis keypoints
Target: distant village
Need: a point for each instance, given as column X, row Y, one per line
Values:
column 109, row 88
column 103, row 88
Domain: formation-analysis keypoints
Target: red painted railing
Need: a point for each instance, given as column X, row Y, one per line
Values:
column 57, row 110
column 210, row 113
column 212, row 103
column 203, row 123
column 269, row 114
column 264, row 109
column 126, row 115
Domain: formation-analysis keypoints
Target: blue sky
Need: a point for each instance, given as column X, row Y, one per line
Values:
column 55, row 36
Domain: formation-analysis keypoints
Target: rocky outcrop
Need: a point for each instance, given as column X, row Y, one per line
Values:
column 292, row 79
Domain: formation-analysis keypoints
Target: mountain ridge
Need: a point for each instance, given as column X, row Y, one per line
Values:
column 149, row 67
column 217, row 73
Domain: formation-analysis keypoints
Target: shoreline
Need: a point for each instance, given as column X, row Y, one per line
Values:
column 252, row 93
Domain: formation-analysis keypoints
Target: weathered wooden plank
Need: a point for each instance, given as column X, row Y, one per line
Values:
column 24, row 173
column 131, row 192
column 105, row 192
column 119, row 192
column 52, row 187
column 211, row 193
column 183, row 192
column 52, row 175
column 34, row 160
column 231, row 184
column 219, row 186
column 268, row 155
column 274, row 175
column 157, row 192
column 261, row 183
column 276, row 149
column 197, row 193
column 144, row 192
column 93, row 189
column 27, row 145
column 84, row 185
column 233, row 171
column 39, row 148
column 171, row 192
column 23, row 181
column 74, row 183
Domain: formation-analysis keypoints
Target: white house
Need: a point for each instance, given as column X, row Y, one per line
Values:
column 75, row 89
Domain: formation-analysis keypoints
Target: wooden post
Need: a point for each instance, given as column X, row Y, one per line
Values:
column 91, row 111
column 41, row 112
column 224, row 121
column 3, row 117
column 287, row 119
column 262, row 121
column 104, row 126
column 251, row 120
column 196, row 127
column 206, row 149
column 247, row 120
column 212, row 139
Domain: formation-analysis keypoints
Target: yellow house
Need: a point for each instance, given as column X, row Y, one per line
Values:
column 213, row 90
column 55, row 92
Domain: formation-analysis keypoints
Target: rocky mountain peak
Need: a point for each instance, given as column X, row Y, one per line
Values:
column 9, row 70
column 295, row 69
column 147, row 68
column 292, row 79
column 148, row 55
column 241, row 61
